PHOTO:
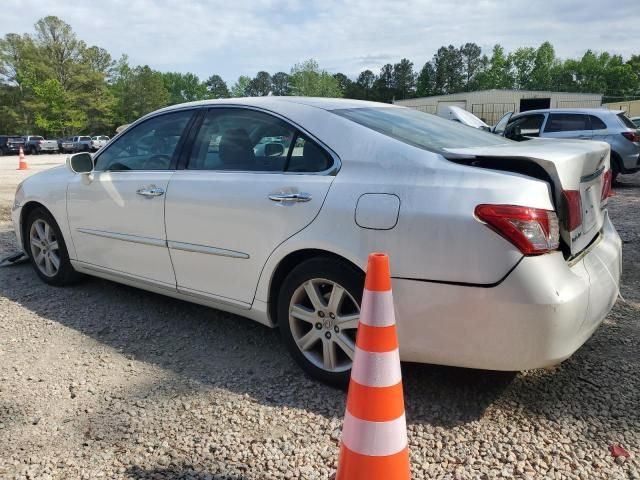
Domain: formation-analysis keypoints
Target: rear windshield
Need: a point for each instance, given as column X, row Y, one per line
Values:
column 626, row 122
column 422, row 130
column 82, row 139
column 16, row 139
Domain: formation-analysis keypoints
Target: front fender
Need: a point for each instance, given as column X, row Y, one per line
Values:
column 49, row 189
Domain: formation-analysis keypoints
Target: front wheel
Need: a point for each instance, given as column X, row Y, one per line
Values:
column 318, row 314
column 47, row 250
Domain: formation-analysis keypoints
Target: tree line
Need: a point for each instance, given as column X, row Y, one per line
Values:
column 54, row 84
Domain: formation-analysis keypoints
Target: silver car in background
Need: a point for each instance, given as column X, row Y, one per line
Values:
column 611, row 126
column 502, row 253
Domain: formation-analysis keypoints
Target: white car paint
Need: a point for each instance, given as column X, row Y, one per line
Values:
column 457, row 114
column 464, row 295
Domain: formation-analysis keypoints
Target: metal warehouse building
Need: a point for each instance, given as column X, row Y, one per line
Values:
column 491, row 105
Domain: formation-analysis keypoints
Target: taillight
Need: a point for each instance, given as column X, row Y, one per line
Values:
column 572, row 208
column 632, row 136
column 607, row 191
column 532, row 230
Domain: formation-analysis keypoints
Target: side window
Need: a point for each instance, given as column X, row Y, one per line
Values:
column 596, row 123
column 566, row 122
column 307, row 156
column 236, row 139
column 526, row 126
column 147, row 146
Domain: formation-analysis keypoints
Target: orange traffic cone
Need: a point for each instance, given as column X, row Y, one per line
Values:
column 374, row 435
column 23, row 162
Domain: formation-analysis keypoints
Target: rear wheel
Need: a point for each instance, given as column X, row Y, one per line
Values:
column 318, row 314
column 47, row 250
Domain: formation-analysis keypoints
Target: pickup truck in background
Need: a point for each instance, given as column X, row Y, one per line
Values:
column 10, row 144
column 34, row 144
column 98, row 142
column 79, row 143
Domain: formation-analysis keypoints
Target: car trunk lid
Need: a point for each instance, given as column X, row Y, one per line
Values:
column 576, row 169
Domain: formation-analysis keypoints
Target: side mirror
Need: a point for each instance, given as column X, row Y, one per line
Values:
column 273, row 149
column 80, row 163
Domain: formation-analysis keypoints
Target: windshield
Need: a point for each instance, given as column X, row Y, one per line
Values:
column 419, row 129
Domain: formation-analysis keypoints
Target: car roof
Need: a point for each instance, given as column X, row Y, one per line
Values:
column 277, row 103
column 593, row 111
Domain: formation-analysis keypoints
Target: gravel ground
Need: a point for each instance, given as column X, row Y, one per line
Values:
column 103, row 380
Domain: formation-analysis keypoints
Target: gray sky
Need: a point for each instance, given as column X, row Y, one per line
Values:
column 241, row 37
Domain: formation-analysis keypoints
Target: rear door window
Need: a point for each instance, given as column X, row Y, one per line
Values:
column 566, row 122
column 596, row 123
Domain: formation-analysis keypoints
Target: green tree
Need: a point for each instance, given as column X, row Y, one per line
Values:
column 498, row 72
column 183, row 87
column 449, row 70
column 98, row 60
column 307, row 79
column 18, row 55
column 384, row 86
column 404, row 79
column 471, row 55
column 216, row 87
column 138, row 91
column 260, row 85
column 241, row 87
column 363, row 87
column 523, row 61
column 542, row 72
column 280, row 83
column 425, row 85
column 344, row 83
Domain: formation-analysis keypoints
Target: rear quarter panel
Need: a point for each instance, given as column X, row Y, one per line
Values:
column 437, row 236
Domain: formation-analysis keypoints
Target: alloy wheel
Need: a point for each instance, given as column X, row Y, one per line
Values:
column 323, row 317
column 45, row 250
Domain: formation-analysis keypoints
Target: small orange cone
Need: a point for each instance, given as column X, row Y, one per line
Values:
column 374, row 434
column 23, row 162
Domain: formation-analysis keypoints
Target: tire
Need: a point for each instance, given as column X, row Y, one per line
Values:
column 319, row 326
column 41, row 227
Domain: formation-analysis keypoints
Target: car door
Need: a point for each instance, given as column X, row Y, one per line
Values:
column 499, row 127
column 568, row 125
column 116, row 213
column 599, row 129
column 251, row 180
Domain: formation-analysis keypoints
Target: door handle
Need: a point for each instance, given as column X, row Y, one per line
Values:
column 151, row 191
column 290, row 197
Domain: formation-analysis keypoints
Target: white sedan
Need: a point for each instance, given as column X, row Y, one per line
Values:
column 503, row 256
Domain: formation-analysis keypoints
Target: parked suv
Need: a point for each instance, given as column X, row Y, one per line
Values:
column 34, row 144
column 77, row 144
column 10, row 144
column 611, row 126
